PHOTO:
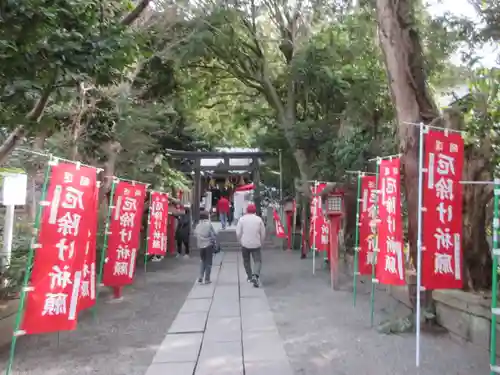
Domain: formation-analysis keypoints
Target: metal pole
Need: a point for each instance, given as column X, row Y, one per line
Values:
column 29, row 263
column 434, row 127
column 356, row 242
column 281, row 179
column 375, row 250
column 314, row 230
column 294, row 221
column 147, row 233
column 281, row 211
column 385, row 157
column 8, row 231
column 419, row 239
column 494, row 287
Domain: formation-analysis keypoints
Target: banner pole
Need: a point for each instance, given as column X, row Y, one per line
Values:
column 281, row 183
column 375, row 250
column 29, row 263
column 314, row 230
column 419, row 239
column 294, row 221
column 105, row 243
column 356, row 242
column 147, row 236
column 494, row 276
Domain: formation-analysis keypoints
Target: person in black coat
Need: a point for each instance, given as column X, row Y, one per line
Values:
column 231, row 212
column 182, row 233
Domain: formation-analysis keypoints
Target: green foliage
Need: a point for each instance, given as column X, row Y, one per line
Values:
column 11, row 279
column 51, row 45
column 482, row 111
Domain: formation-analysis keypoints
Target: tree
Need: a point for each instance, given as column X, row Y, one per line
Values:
column 405, row 58
column 261, row 55
column 51, row 47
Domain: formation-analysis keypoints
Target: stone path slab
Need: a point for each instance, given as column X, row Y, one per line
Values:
column 226, row 328
column 202, row 291
column 223, row 329
column 222, row 308
column 196, row 305
column 263, row 321
column 249, row 291
column 182, row 368
column 189, row 322
column 179, row 348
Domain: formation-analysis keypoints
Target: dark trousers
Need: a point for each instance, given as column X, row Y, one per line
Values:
column 206, row 255
column 182, row 241
column 257, row 261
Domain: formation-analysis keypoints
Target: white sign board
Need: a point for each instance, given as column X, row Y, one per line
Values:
column 14, row 187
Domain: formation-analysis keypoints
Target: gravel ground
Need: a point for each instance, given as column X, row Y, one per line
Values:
column 325, row 335
column 125, row 336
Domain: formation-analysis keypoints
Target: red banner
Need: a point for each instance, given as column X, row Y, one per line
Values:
column 442, row 256
column 319, row 231
column 124, row 237
column 280, row 231
column 52, row 304
column 390, row 259
column 367, row 224
column 89, row 274
column 157, row 229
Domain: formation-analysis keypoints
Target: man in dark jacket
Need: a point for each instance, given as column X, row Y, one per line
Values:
column 182, row 233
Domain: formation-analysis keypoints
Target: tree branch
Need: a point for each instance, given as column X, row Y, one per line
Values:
column 135, row 13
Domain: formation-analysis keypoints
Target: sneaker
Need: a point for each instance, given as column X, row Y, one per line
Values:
column 208, row 282
column 157, row 258
column 249, row 280
column 178, row 255
column 255, row 281
column 200, row 281
column 186, row 256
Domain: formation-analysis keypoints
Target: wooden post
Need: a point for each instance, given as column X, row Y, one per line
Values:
column 256, row 178
column 117, row 292
column 197, row 190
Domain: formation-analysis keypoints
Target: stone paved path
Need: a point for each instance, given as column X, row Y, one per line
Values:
column 226, row 328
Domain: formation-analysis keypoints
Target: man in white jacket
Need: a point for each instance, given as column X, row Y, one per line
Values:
column 251, row 233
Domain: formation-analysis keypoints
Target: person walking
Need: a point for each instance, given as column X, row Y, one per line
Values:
column 251, row 234
column 182, row 233
column 231, row 212
column 206, row 242
column 223, row 208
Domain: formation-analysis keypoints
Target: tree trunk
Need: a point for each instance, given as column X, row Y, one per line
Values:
column 36, row 173
column 111, row 149
column 135, row 13
column 14, row 138
column 477, row 259
column 478, row 166
column 404, row 60
column 350, row 204
column 18, row 134
column 76, row 124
